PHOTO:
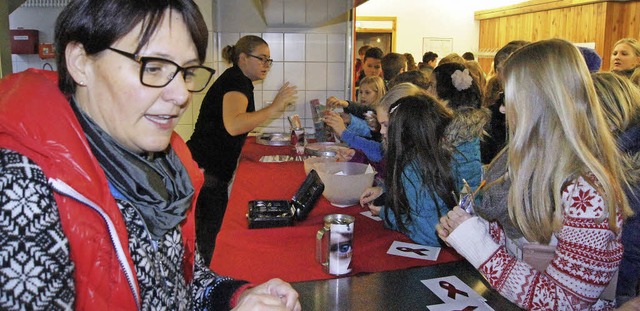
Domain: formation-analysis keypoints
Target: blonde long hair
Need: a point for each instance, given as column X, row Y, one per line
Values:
column 557, row 134
column 377, row 85
column 620, row 100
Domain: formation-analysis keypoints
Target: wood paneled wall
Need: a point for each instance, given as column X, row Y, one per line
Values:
column 602, row 22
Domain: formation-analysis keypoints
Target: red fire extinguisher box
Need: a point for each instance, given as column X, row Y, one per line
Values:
column 24, row 41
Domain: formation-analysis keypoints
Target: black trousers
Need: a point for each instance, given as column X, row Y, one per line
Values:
column 210, row 208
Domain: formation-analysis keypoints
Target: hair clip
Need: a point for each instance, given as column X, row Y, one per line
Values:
column 393, row 109
column 461, row 80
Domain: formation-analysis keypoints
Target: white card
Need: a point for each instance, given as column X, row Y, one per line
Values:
column 368, row 214
column 465, row 305
column 276, row 158
column 451, row 288
column 414, row 250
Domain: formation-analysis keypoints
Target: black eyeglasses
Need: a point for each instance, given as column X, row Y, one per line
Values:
column 158, row 72
column 265, row 61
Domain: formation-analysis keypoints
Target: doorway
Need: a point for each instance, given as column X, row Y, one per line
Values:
column 376, row 31
column 382, row 40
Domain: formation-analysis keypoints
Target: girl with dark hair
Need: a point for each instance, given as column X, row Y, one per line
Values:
column 227, row 115
column 98, row 201
column 453, row 85
column 419, row 178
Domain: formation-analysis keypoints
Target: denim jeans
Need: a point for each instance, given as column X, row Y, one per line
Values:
column 629, row 273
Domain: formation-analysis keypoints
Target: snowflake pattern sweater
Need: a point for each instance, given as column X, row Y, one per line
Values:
column 587, row 256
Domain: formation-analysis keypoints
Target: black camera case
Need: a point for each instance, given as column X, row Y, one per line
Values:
column 281, row 213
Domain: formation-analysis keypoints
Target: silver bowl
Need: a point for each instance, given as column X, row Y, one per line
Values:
column 324, row 149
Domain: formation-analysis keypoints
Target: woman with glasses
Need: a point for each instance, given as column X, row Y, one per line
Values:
column 227, row 114
column 97, row 192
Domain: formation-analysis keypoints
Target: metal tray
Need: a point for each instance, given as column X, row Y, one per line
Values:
column 324, row 149
column 274, row 139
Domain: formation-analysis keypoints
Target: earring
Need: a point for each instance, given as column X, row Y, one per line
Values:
column 82, row 83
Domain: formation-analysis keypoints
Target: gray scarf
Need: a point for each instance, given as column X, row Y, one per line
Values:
column 157, row 184
column 495, row 196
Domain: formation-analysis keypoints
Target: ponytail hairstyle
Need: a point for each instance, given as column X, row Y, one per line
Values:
column 246, row 45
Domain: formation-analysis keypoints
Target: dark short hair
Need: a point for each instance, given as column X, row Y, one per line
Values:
column 468, row 56
column 373, row 52
column 392, row 64
column 97, row 24
column 412, row 76
column 504, row 53
column 429, row 56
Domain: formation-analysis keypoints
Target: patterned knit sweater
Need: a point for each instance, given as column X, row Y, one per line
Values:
column 36, row 271
column 587, row 256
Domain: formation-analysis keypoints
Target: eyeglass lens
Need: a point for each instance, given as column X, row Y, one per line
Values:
column 158, row 73
column 263, row 60
column 266, row 61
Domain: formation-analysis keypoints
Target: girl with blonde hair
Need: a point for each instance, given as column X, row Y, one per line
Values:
column 620, row 101
column 371, row 151
column 357, row 126
column 625, row 57
column 566, row 187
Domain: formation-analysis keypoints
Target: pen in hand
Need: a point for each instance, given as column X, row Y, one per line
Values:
column 466, row 201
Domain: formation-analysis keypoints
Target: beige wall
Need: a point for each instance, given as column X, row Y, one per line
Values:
column 417, row 19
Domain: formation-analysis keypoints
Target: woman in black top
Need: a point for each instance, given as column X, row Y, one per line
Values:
column 227, row 114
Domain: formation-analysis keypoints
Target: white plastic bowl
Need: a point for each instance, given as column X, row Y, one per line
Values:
column 310, row 162
column 344, row 190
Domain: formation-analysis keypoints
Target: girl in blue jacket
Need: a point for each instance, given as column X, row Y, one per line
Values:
column 420, row 180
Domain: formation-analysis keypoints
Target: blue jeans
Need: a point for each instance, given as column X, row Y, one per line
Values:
column 629, row 273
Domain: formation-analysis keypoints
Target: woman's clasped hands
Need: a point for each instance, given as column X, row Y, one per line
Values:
column 274, row 294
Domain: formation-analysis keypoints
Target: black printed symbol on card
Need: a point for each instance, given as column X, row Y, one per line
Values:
column 469, row 308
column 418, row 251
column 452, row 290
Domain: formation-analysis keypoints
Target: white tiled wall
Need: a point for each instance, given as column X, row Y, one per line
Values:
column 314, row 62
column 21, row 62
column 312, row 57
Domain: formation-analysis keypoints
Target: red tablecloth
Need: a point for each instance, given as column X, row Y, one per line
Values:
column 289, row 252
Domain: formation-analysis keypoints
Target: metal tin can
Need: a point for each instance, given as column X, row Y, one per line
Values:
column 334, row 244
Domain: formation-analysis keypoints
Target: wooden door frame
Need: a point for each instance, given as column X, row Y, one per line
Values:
column 392, row 30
